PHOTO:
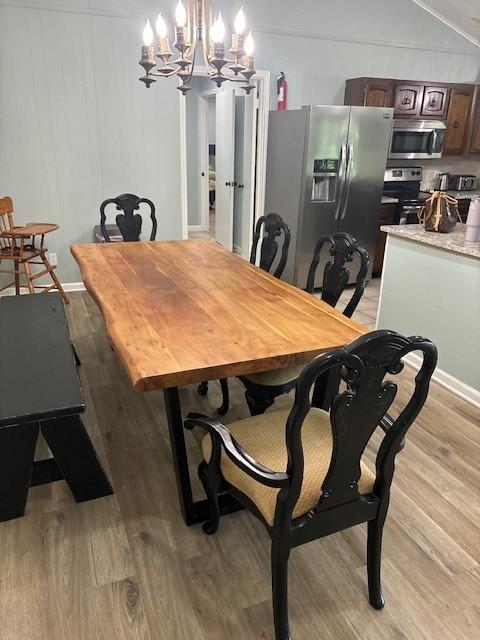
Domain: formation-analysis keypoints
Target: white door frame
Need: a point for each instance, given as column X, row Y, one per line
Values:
column 203, row 107
column 263, row 83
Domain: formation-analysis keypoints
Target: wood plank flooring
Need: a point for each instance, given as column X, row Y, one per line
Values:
column 125, row 567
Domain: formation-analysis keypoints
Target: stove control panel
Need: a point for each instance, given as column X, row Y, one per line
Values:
column 403, row 174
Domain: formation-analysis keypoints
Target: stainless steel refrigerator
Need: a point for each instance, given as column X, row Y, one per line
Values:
column 325, row 172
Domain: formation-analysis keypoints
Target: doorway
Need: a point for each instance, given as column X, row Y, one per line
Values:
column 223, row 149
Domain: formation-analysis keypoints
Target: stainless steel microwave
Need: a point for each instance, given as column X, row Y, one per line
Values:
column 416, row 139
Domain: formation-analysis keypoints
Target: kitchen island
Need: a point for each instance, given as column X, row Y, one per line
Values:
column 431, row 287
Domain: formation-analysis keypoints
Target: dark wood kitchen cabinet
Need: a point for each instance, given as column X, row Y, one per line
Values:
column 435, row 102
column 452, row 103
column 474, row 146
column 407, row 100
column 386, row 215
column 369, row 92
column 459, row 109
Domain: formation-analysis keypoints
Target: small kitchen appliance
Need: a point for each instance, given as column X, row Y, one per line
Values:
column 462, row 182
column 416, row 139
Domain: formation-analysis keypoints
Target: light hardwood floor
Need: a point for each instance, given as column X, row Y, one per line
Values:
column 125, row 567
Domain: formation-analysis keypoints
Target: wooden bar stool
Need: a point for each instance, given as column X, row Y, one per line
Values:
column 18, row 246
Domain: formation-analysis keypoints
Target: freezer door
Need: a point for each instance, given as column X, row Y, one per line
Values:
column 324, row 182
column 367, row 149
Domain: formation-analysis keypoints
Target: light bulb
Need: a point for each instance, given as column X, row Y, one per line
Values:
column 249, row 45
column 148, row 34
column 161, row 27
column 218, row 30
column 180, row 14
column 240, row 23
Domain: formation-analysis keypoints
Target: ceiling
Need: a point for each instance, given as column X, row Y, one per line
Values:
column 461, row 15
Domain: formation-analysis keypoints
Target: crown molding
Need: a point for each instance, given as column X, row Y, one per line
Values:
column 127, row 9
column 447, row 22
column 134, row 11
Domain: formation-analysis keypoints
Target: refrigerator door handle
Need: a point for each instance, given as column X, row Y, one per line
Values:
column 348, row 180
column 341, row 179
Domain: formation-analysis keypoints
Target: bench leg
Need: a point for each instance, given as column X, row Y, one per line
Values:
column 76, row 458
column 17, row 450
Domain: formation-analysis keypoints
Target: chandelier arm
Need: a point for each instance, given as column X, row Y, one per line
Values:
column 171, row 73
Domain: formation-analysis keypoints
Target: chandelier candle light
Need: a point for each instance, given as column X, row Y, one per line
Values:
column 240, row 68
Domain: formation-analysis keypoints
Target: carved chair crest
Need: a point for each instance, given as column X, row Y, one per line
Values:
column 129, row 223
column 356, row 412
column 273, row 227
column 343, row 247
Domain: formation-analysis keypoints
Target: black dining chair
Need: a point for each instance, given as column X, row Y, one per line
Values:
column 262, row 388
column 301, row 473
column 270, row 228
column 129, row 223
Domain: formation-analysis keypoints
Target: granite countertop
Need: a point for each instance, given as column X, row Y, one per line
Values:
column 463, row 195
column 453, row 241
column 459, row 195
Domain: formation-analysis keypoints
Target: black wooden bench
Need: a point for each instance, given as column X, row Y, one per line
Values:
column 40, row 391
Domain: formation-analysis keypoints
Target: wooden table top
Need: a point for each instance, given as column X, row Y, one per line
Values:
column 179, row 312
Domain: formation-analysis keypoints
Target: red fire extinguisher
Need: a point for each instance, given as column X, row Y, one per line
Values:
column 282, row 92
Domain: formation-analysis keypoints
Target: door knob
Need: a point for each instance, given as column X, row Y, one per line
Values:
column 241, row 186
column 228, row 184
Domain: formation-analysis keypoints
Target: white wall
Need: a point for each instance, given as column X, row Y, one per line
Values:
column 76, row 126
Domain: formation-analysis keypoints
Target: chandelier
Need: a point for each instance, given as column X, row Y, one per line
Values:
column 191, row 32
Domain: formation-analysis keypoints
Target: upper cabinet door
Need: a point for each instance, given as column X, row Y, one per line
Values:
column 408, row 99
column 475, row 125
column 378, row 93
column 457, row 121
column 435, row 102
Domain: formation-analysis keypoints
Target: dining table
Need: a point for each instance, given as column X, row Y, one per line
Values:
column 187, row 311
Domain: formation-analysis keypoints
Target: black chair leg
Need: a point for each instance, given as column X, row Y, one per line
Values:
column 211, row 526
column 222, row 410
column 203, row 388
column 78, row 362
column 17, row 450
column 280, row 554
column 257, row 406
column 374, row 560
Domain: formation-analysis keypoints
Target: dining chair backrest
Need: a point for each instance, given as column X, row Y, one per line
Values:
column 355, row 413
column 129, row 223
column 343, row 247
column 273, row 227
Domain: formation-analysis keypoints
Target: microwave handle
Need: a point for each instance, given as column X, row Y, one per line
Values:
column 433, row 142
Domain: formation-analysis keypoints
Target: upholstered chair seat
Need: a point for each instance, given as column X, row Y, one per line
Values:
column 275, row 377
column 263, row 438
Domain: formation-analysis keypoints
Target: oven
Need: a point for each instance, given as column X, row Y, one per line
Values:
column 416, row 139
column 403, row 184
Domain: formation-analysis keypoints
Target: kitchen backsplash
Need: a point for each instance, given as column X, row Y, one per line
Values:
column 431, row 168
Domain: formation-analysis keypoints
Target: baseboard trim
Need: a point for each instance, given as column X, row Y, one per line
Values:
column 195, row 228
column 446, row 380
column 67, row 286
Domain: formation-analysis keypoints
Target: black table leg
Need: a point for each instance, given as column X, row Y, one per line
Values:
column 76, row 457
column 192, row 512
column 17, row 450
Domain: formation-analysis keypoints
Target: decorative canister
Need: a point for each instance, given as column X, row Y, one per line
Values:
column 473, row 221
